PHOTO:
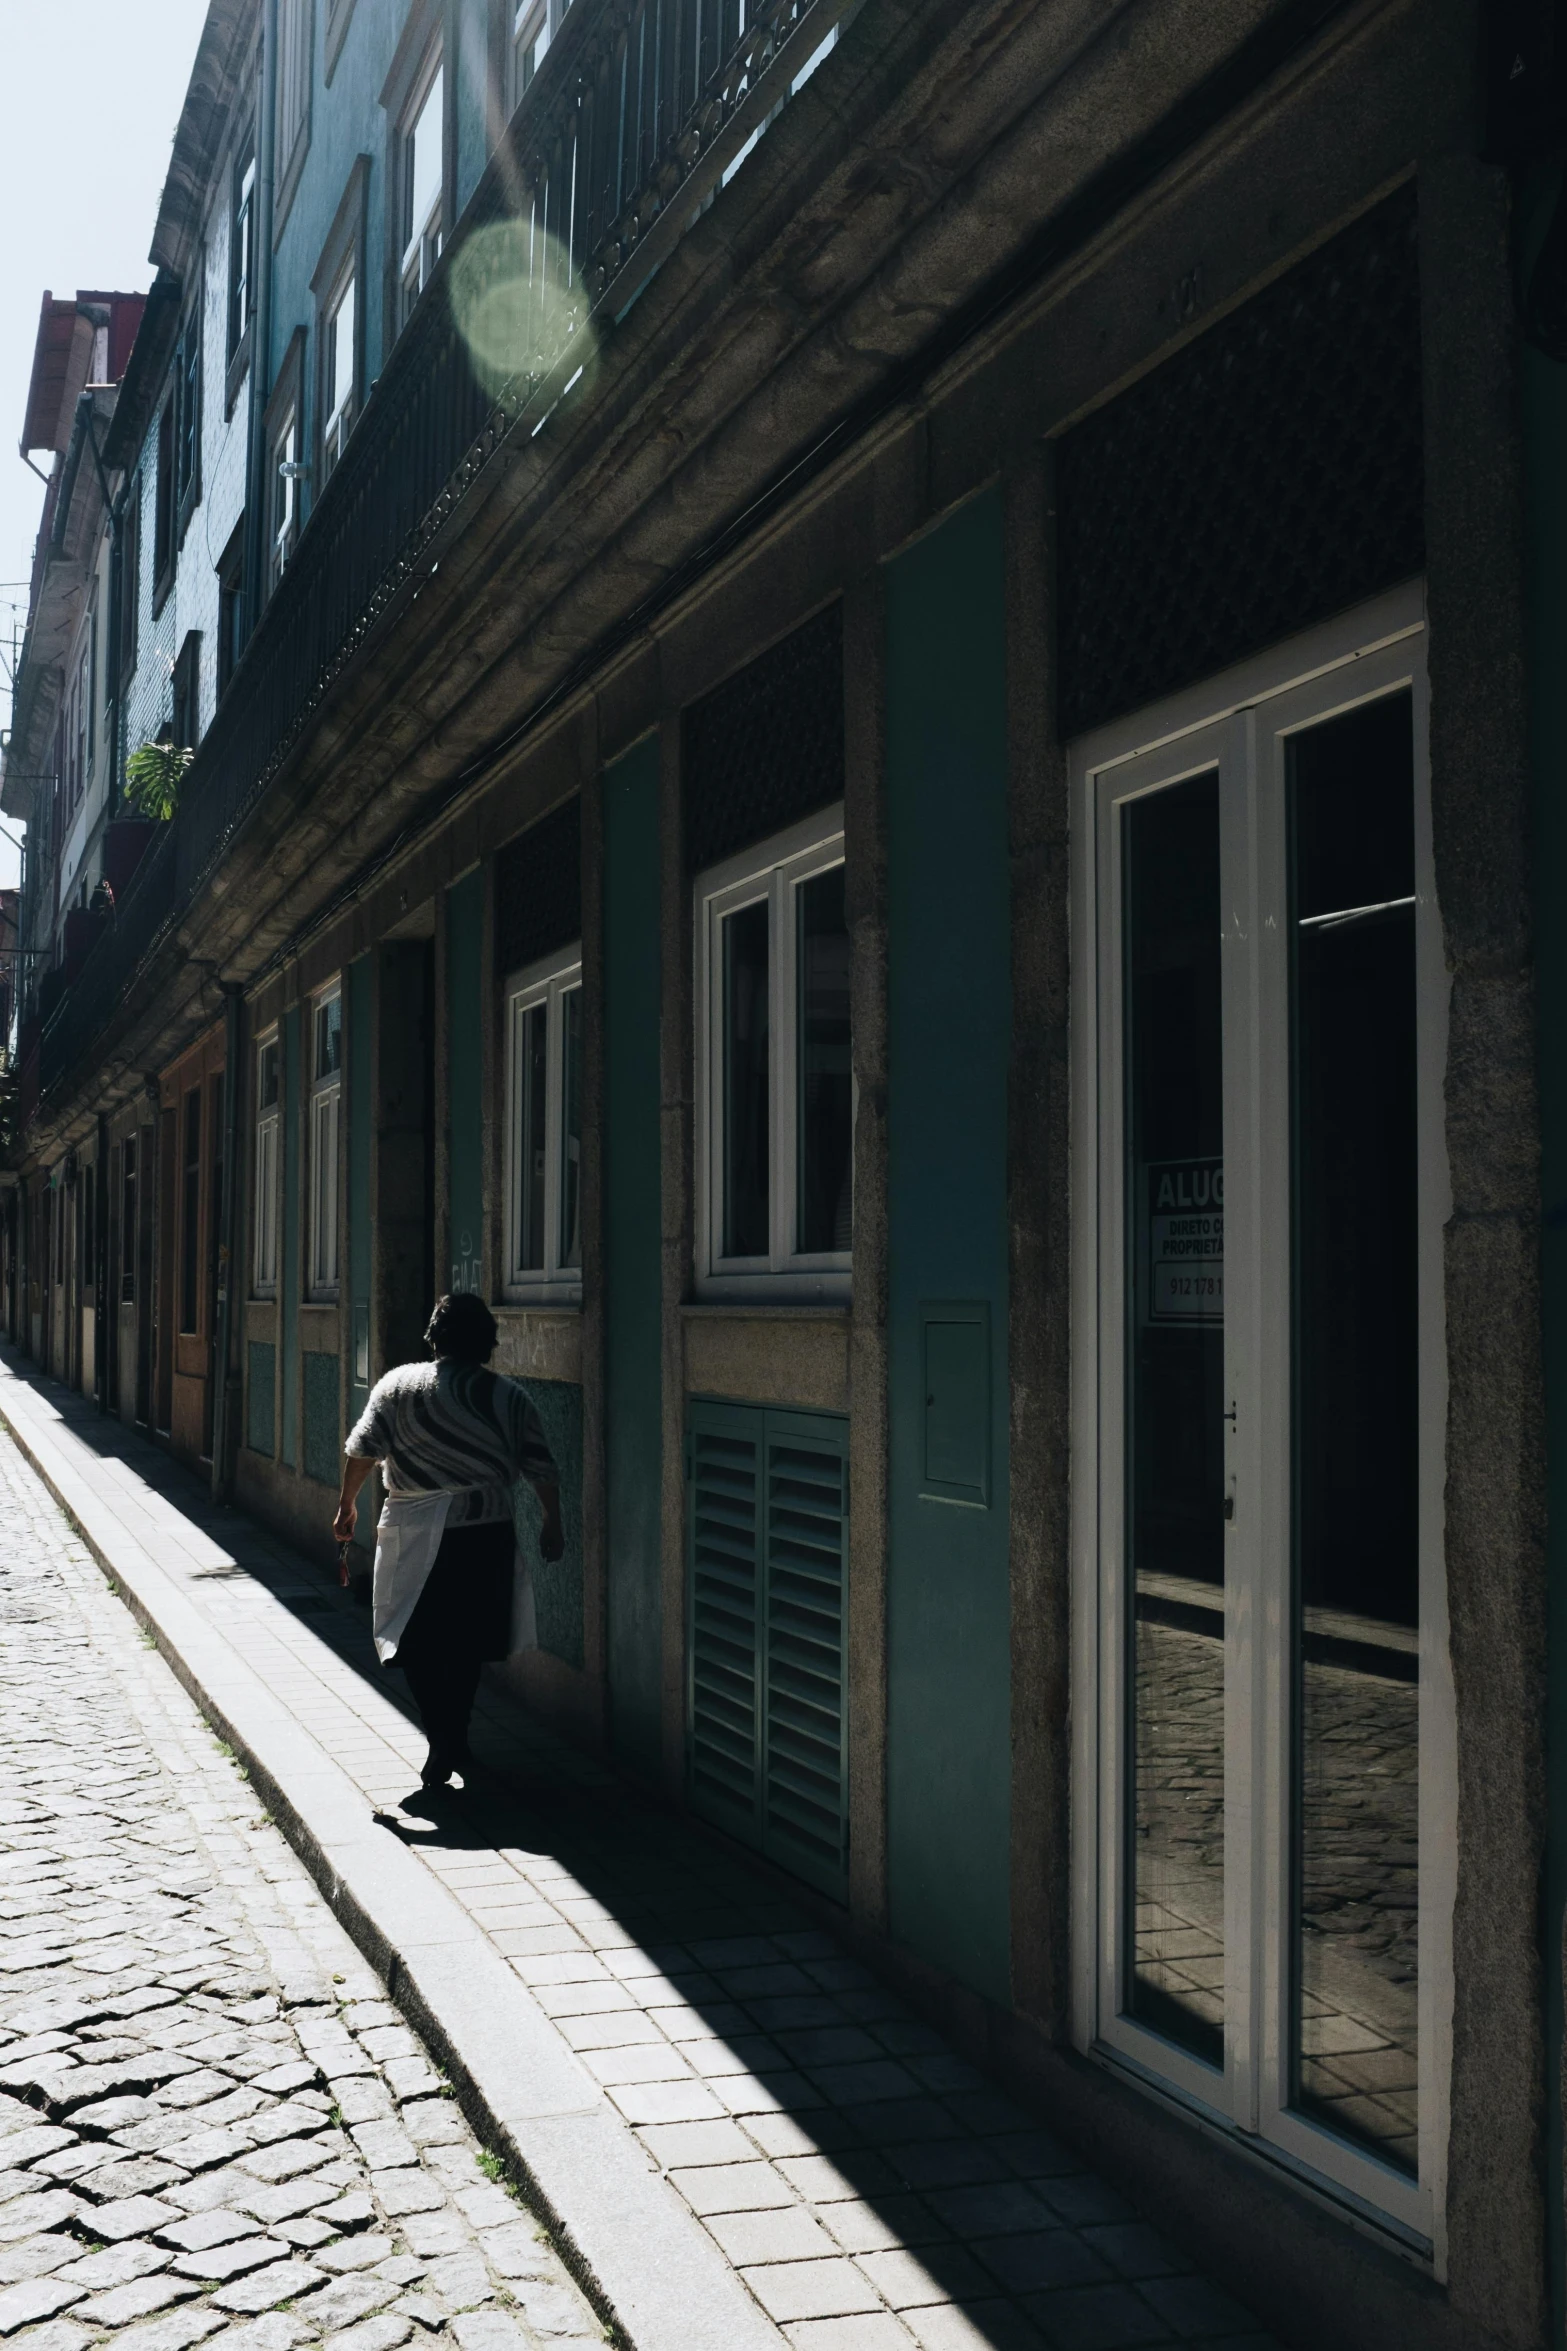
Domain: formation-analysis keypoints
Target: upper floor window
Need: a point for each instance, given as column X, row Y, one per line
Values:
column 544, row 1129
column 268, row 1164
column 187, row 395
column 533, row 28
column 187, row 692
column 295, row 31
column 164, row 502
column 81, row 703
column 775, row 1076
column 231, row 607
column 338, row 373
column 326, row 1096
column 92, row 684
column 422, row 175
column 242, row 246
column 130, row 577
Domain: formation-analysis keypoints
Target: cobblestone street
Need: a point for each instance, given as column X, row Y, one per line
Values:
column 212, row 2124
column 821, row 2169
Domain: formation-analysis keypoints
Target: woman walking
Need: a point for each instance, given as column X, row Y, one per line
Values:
column 451, row 1592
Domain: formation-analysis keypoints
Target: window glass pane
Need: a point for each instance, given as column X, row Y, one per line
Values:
column 747, row 1126
column 1356, row 1598
column 266, row 1202
column 825, row 1108
column 341, row 362
column 571, row 1129
column 424, row 158
column 266, row 1076
column 329, row 1037
column 1175, row 1371
column 324, row 1190
column 532, row 1080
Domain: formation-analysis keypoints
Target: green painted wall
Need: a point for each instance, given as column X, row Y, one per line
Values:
column 631, row 1248
column 948, row 1611
column 288, row 1287
column 323, row 1443
column 1545, row 451
column 465, row 1082
column 261, row 1398
column 557, row 1584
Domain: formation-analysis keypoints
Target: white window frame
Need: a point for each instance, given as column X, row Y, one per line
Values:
column 326, row 1128
column 269, row 1182
column 340, row 400
column 284, row 533
column 535, row 24
column 772, row 870
column 426, row 233
column 549, row 983
column 1241, row 722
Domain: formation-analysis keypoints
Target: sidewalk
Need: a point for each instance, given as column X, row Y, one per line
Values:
column 739, row 2137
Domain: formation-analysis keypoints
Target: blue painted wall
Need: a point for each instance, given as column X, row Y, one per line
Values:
column 948, row 1607
column 632, row 1345
column 288, row 1287
column 347, row 120
column 465, row 1082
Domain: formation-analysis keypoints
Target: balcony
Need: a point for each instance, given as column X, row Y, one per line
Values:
column 637, row 113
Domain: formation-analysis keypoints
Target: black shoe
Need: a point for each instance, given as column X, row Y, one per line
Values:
column 438, row 1770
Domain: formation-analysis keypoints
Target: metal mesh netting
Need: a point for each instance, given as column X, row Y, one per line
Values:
column 767, row 747
column 538, row 890
column 1266, row 476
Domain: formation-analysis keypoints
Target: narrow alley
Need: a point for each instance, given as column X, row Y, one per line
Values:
column 215, row 2120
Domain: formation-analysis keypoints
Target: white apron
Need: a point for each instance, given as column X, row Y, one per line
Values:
column 407, row 1538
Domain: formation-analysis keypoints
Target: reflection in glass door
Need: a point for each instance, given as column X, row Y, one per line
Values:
column 1174, row 1409
column 1266, row 1505
column 1356, row 1596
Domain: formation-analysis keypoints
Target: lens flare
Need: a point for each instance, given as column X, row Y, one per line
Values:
column 518, row 305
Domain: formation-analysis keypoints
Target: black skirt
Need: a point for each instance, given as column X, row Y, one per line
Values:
column 464, row 1611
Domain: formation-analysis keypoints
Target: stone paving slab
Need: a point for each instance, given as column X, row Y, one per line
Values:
column 736, row 2128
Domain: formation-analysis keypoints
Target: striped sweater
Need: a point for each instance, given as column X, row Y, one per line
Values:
column 454, row 1427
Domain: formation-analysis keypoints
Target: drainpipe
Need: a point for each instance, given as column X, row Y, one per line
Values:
column 225, row 1370
column 261, row 330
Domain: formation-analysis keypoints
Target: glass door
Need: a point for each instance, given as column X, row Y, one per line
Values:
column 1266, row 1420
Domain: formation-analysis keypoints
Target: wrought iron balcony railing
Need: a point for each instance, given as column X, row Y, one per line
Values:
column 639, row 109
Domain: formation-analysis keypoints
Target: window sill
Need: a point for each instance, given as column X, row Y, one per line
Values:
column 547, row 1298
column 759, row 1305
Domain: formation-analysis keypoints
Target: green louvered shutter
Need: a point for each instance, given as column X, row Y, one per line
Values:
column 767, row 1599
column 725, row 1449
column 803, row 1773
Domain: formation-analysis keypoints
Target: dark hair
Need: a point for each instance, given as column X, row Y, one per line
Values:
column 463, row 1328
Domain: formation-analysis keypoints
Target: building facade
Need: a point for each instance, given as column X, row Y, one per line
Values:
column 872, row 737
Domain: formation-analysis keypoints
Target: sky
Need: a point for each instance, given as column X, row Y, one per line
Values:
column 90, row 92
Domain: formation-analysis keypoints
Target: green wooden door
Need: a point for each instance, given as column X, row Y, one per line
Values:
column 767, row 1593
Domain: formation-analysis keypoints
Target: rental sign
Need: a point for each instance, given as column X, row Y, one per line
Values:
column 1183, row 1241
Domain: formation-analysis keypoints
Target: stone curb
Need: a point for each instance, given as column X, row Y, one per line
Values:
column 643, row 2259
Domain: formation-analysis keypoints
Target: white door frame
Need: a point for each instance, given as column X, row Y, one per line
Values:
column 1239, row 723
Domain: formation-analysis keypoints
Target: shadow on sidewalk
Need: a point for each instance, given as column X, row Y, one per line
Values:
column 866, row 2135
